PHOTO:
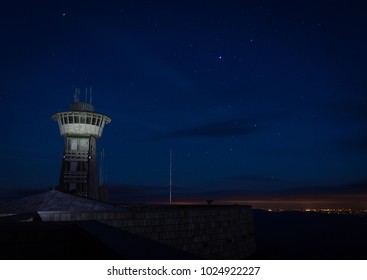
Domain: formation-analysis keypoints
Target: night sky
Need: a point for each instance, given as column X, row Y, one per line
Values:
column 262, row 102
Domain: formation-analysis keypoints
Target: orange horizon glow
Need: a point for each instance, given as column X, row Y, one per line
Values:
column 281, row 203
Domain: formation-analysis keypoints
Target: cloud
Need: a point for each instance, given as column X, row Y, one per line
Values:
column 342, row 191
column 351, row 195
column 356, row 143
column 352, row 110
column 215, row 129
column 8, row 193
column 130, row 193
column 352, row 188
column 254, row 179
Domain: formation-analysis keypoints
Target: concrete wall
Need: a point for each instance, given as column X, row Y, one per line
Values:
column 210, row 232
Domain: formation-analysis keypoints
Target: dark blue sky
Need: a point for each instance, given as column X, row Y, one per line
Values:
column 260, row 100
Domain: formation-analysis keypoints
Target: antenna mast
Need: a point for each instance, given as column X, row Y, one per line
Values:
column 170, row 176
column 76, row 95
column 101, row 172
column 90, row 95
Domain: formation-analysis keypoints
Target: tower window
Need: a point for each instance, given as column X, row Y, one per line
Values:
column 71, row 119
column 94, row 121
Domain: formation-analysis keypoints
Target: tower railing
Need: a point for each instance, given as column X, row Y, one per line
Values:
column 75, row 177
column 76, row 156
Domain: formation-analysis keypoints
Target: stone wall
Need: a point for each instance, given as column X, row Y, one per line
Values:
column 210, row 232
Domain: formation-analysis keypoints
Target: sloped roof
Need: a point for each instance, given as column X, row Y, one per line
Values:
column 55, row 201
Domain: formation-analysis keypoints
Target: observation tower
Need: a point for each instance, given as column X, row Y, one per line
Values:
column 81, row 126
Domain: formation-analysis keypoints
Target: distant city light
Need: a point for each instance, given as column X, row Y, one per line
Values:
column 337, row 211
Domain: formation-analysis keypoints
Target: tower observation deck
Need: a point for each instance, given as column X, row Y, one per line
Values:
column 81, row 126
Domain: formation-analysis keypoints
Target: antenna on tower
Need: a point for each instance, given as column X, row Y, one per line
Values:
column 86, row 94
column 90, row 95
column 101, row 175
column 170, row 176
column 76, row 95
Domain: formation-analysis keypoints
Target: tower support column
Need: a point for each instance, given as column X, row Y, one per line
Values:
column 93, row 181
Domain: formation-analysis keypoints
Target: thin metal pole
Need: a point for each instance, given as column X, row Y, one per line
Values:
column 100, row 169
column 170, row 176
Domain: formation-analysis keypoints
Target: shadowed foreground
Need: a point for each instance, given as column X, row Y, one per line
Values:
column 190, row 231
